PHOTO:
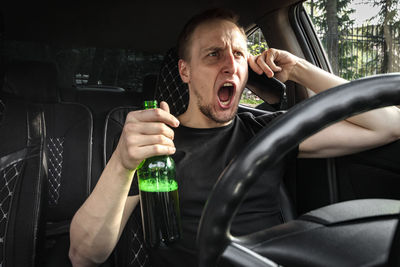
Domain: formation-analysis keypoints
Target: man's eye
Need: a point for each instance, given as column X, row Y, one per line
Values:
column 239, row 54
column 213, row 54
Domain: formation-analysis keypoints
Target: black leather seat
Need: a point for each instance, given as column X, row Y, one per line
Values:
column 169, row 87
column 22, row 184
column 130, row 250
column 69, row 147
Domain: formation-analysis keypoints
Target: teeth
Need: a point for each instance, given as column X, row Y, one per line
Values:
column 225, row 102
column 228, row 84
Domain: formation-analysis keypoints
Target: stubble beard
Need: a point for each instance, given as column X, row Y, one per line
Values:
column 207, row 111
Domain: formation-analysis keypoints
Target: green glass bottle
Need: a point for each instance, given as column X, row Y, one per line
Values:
column 159, row 200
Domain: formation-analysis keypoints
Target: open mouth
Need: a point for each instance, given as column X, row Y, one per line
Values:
column 225, row 94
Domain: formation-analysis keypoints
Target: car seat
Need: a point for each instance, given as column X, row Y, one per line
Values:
column 23, row 192
column 169, row 87
column 68, row 136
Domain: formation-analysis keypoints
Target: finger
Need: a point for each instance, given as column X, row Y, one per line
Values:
column 149, row 140
column 153, row 115
column 135, row 141
column 150, row 128
column 252, row 60
column 155, row 150
column 164, row 106
column 270, row 58
column 264, row 66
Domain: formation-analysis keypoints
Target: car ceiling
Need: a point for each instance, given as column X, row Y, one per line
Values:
column 146, row 25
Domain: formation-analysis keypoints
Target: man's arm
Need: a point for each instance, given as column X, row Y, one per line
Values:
column 358, row 133
column 98, row 224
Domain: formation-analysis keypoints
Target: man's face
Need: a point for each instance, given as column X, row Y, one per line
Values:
column 217, row 70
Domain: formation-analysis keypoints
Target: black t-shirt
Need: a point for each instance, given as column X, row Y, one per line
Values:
column 201, row 156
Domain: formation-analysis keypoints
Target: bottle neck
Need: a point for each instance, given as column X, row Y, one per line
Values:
column 150, row 104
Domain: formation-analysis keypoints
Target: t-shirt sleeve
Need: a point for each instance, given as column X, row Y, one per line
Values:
column 134, row 190
column 266, row 119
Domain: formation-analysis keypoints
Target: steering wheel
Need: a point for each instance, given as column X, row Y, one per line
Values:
column 272, row 143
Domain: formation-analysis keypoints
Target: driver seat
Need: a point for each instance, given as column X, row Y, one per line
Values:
column 130, row 250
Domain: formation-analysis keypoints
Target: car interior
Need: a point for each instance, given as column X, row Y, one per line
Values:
column 71, row 72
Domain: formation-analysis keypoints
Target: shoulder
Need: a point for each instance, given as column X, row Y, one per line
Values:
column 255, row 123
column 259, row 120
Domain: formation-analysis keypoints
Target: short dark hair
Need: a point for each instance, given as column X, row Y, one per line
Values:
column 184, row 39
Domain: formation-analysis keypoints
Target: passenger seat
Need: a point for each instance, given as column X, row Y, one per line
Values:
column 69, row 148
column 22, row 184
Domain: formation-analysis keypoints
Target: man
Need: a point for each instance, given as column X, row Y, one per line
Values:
column 214, row 62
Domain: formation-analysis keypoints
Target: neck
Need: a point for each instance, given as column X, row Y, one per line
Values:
column 194, row 118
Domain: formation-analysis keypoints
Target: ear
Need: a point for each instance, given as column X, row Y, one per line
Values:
column 184, row 70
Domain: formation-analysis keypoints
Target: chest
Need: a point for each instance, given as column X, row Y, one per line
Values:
column 200, row 160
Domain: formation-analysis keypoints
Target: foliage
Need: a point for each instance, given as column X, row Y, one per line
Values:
column 257, row 49
column 256, row 43
column 387, row 15
column 319, row 18
column 330, row 27
column 251, row 102
column 362, row 50
column 388, row 11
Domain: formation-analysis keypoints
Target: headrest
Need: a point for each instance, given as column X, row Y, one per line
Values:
column 170, row 87
column 32, row 80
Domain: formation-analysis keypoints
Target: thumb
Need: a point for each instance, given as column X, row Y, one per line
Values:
column 164, row 106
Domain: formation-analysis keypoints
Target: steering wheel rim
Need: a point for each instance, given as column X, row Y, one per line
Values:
column 272, row 143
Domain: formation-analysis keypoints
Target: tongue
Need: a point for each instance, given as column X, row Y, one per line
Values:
column 223, row 94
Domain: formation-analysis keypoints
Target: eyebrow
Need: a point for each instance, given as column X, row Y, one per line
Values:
column 219, row 48
column 212, row 48
column 240, row 47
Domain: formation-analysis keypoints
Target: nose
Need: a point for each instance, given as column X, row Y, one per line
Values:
column 229, row 63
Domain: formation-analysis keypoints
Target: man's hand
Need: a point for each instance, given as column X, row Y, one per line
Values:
column 98, row 224
column 146, row 134
column 274, row 62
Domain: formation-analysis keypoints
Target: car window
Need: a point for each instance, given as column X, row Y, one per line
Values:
column 360, row 38
column 255, row 44
column 89, row 67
